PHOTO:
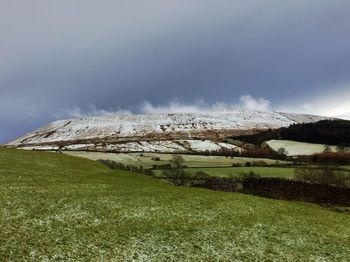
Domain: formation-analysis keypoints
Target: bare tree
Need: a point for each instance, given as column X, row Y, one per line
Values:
column 282, row 152
column 341, row 149
column 177, row 161
column 327, row 149
column 176, row 174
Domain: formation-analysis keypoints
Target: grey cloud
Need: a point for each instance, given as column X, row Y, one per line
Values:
column 246, row 102
column 61, row 56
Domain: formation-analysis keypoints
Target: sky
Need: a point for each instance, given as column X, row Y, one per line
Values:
column 67, row 59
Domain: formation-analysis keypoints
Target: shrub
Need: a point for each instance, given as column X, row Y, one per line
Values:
column 260, row 163
column 177, row 161
column 109, row 163
column 114, row 165
column 201, row 175
column 283, row 153
column 333, row 158
column 148, row 172
column 324, row 175
column 260, row 153
column 327, row 149
column 250, row 174
column 248, row 164
column 176, row 176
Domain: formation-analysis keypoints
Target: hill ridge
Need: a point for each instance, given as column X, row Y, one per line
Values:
column 98, row 133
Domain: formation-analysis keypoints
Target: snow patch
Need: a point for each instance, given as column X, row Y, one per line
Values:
column 295, row 148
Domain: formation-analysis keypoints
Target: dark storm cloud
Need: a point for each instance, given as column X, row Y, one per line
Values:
column 58, row 56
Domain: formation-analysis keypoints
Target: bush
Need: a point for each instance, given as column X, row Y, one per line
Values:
column 114, row 165
column 177, row 161
column 243, row 176
column 324, row 175
column 199, row 178
column 177, row 176
column 109, row 163
column 282, row 152
column 260, row 153
column 200, row 175
column 162, row 167
column 248, row 164
column 148, row 172
column 260, row 163
column 333, row 158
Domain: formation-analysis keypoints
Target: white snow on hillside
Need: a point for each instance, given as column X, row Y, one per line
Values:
column 131, row 126
column 168, row 146
column 345, row 116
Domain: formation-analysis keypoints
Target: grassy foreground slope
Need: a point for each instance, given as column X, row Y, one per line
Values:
column 58, row 207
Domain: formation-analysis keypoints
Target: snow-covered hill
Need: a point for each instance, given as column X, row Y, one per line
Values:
column 345, row 116
column 149, row 132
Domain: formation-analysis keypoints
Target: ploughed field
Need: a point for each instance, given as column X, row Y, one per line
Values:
column 59, row 207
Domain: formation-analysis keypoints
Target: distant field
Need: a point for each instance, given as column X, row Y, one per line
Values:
column 234, row 171
column 145, row 159
column 298, row 148
column 64, row 208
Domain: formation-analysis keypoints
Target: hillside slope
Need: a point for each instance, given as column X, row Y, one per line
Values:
column 124, row 133
column 345, row 116
column 55, row 207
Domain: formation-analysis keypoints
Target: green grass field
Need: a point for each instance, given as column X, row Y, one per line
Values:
column 235, row 171
column 145, row 159
column 59, row 207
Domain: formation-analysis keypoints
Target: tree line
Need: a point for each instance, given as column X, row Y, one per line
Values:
column 331, row 132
